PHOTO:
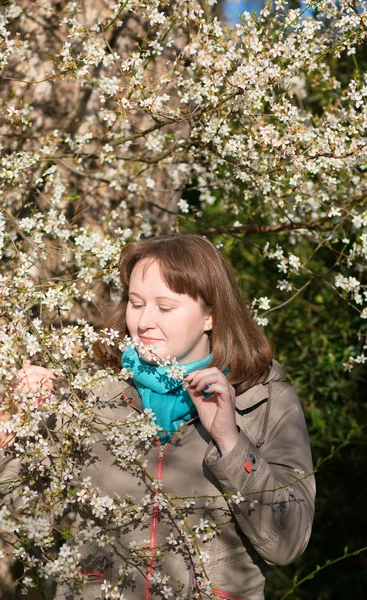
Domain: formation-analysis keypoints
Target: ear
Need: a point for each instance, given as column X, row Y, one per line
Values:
column 208, row 324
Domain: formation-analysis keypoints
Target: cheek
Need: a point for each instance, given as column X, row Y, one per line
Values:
column 189, row 326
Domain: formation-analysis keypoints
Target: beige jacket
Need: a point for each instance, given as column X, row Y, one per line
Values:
column 269, row 471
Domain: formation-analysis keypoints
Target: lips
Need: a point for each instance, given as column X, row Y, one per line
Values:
column 149, row 340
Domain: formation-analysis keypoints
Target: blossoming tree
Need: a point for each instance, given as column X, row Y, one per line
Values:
column 130, row 118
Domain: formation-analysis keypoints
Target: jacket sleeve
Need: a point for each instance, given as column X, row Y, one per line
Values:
column 9, row 471
column 276, row 502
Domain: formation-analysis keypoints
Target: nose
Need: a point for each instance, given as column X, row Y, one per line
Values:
column 146, row 319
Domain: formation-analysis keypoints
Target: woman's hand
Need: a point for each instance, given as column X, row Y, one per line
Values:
column 31, row 377
column 27, row 378
column 217, row 413
column 6, row 439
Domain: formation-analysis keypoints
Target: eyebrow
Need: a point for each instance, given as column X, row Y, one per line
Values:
column 167, row 298
column 159, row 298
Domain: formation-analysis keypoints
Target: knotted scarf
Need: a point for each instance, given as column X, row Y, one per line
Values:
column 165, row 396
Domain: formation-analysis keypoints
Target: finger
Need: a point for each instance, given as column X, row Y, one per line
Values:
column 41, row 371
column 6, row 437
column 201, row 380
column 6, row 440
column 33, row 375
column 221, row 392
column 214, row 393
column 34, row 381
column 196, row 376
column 34, row 378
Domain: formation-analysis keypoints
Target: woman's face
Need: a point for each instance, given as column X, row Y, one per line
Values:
column 175, row 324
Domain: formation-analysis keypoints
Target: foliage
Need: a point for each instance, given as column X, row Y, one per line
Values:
column 128, row 119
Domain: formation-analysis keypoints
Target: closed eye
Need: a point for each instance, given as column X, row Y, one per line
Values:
column 165, row 309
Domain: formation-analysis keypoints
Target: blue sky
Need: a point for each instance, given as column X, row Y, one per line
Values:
column 233, row 9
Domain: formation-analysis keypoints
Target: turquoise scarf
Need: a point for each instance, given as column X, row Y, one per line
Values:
column 165, row 396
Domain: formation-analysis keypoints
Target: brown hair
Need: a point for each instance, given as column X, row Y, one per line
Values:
column 192, row 265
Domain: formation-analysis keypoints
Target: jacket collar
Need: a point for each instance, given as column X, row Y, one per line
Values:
column 133, row 395
column 258, row 393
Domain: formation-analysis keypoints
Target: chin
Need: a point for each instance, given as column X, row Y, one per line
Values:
column 150, row 355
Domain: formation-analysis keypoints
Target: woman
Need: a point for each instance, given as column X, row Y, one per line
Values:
column 233, row 441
